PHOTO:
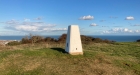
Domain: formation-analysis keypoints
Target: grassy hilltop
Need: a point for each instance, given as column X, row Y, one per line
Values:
column 50, row 59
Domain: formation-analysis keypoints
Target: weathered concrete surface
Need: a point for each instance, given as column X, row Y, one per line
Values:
column 73, row 42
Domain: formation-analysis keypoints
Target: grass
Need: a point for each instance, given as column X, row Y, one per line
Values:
column 98, row 59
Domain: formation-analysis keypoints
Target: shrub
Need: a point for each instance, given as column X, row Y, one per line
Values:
column 36, row 39
column 97, row 40
column 86, row 39
column 12, row 43
column 32, row 39
column 25, row 40
column 49, row 39
column 62, row 38
column 106, row 41
column 138, row 40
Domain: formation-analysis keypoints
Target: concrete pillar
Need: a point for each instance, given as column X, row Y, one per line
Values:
column 73, row 42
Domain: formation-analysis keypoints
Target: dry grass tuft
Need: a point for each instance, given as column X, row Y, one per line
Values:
column 31, row 65
column 41, row 59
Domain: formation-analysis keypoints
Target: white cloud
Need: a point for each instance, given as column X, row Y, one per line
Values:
column 55, row 29
column 26, row 28
column 93, row 24
column 34, row 27
column 38, row 18
column 121, row 30
column 87, row 17
column 125, row 29
column 26, row 19
column 11, row 22
column 106, row 32
column 129, row 18
column 137, row 31
column 136, row 25
column 113, row 17
column 31, row 26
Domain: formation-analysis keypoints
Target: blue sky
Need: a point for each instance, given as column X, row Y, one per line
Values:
column 52, row 17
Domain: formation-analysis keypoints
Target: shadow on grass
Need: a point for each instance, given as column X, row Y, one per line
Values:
column 59, row 50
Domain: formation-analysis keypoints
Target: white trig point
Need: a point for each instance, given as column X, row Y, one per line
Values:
column 73, row 42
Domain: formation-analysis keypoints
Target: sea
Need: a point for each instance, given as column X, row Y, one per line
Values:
column 117, row 38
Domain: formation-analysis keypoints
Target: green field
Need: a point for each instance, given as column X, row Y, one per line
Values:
column 44, row 59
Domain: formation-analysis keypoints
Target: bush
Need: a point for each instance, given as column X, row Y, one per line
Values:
column 86, row 39
column 49, row 39
column 97, row 40
column 12, row 43
column 62, row 38
column 32, row 39
column 106, row 41
column 138, row 40
column 25, row 40
column 36, row 39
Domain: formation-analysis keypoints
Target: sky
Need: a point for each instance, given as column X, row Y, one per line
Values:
column 52, row 17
